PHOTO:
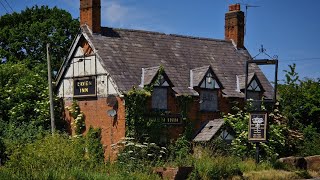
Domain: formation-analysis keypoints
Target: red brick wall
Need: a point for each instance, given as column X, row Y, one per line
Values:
column 112, row 128
column 194, row 114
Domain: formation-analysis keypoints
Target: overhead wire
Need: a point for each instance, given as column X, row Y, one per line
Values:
column 9, row 5
column 301, row 59
column 4, row 6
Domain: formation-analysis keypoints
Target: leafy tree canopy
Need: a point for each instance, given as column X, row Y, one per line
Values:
column 300, row 100
column 23, row 36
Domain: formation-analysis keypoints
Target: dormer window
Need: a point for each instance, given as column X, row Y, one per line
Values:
column 208, row 86
column 161, row 84
column 209, row 82
column 254, row 89
column 254, row 86
column 160, row 93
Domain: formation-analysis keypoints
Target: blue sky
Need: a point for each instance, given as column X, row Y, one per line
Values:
column 289, row 29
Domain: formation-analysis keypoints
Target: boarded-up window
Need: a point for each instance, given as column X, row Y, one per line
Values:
column 159, row 98
column 208, row 100
column 255, row 95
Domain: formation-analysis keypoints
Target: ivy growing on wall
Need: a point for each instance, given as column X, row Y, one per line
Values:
column 184, row 103
column 79, row 120
column 94, row 149
column 141, row 124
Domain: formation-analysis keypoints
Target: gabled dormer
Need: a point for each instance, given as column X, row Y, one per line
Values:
column 204, row 77
column 161, row 83
column 254, row 89
column 204, row 80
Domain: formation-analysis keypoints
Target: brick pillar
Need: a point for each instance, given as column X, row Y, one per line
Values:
column 90, row 14
column 234, row 25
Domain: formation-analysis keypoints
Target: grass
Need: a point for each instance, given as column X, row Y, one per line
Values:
column 76, row 174
column 59, row 157
column 270, row 174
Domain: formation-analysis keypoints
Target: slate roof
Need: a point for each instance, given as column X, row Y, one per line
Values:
column 149, row 74
column 209, row 130
column 198, row 74
column 124, row 52
column 242, row 80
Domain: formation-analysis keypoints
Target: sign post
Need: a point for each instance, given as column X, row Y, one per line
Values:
column 258, row 129
column 259, row 119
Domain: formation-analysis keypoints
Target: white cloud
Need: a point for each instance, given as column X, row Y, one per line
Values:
column 115, row 13
column 125, row 14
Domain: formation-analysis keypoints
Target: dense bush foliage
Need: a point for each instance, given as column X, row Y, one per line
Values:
column 24, row 105
column 300, row 100
column 311, row 142
column 241, row 147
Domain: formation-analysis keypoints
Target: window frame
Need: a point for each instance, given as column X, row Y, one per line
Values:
column 160, row 83
column 215, row 88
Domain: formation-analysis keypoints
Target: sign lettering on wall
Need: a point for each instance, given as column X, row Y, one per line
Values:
column 258, row 126
column 84, row 87
column 171, row 119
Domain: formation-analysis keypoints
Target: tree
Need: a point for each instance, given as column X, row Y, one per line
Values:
column 24, row 105
column 300, row 100
column 23, row 36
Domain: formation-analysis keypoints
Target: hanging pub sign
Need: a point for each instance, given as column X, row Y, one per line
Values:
column 258, row 126
column 84, row 87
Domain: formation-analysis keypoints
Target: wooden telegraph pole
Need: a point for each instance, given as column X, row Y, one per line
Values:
column 50, row 90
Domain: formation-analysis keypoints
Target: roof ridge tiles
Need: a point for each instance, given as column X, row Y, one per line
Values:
column 161, row 33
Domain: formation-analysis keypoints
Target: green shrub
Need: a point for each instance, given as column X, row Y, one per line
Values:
column 94, row 147
column 311, row 143
column 180, row 152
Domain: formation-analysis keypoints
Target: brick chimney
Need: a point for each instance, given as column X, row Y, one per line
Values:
column 90, row 14
column 234, row 25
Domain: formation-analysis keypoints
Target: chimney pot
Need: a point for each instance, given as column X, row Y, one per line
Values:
column 234, row 7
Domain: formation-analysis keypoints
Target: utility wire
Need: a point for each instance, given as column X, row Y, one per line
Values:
column 9, row 5
column 301, row 59
column 4, row 7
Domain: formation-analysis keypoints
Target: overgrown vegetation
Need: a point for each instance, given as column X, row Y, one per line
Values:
column 241, row 147
column 78, row 123
column 62, row 157
column 29, row 151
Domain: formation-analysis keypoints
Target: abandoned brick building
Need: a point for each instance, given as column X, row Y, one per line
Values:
column 107, row 62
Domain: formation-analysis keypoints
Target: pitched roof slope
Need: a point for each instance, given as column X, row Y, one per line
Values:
column 124, row 52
